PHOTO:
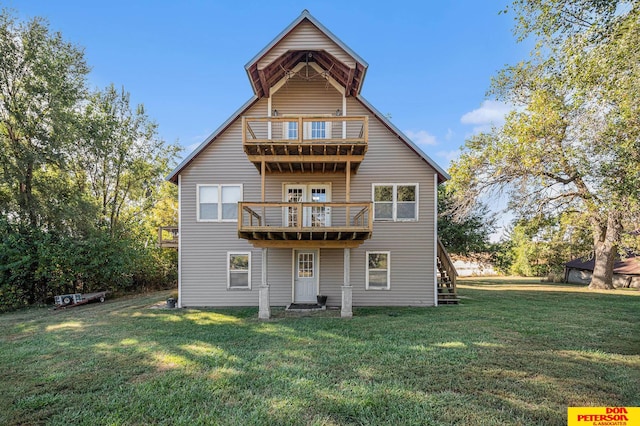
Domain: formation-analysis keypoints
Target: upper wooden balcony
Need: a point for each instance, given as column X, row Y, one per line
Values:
column 304, row 143
column 314, row 224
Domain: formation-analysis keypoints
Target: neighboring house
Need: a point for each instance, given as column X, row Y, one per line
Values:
column 307, row 190
column 626, row 272
column 474, row 266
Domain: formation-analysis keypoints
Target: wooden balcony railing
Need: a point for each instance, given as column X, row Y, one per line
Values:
column 168, row 236
column 305, row 143
column 282, row 224
column 351, row 130
column 448, row 273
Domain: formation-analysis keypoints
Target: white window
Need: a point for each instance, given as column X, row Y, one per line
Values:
column 312, row 216
column 378, row 270
column 318, row 130
column 310, row 129
column 239, row 270
column 291, row 130
column 395, row 202
column 218, row 203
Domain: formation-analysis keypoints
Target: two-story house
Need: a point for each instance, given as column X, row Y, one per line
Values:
column 308, row 190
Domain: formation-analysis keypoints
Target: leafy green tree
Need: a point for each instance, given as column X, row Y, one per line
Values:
column 124, row 159
column 541, row 247
column 573, row 143
column 464, row 235
column 42, row 80
column 81, row 175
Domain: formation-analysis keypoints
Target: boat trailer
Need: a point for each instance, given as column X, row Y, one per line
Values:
column 71, row 300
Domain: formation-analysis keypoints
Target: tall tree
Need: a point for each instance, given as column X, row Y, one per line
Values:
column 573, row 142
column 42, row 79
column 80, row 173
column 124, row 158
column 465, row 235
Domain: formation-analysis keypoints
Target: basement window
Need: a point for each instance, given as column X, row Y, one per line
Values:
column 239, row 270
column 378, row 270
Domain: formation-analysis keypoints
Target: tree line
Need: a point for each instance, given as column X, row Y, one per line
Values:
column 82, row 186
column 568, row 155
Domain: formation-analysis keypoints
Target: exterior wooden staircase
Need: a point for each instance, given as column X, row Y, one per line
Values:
column 447, row 276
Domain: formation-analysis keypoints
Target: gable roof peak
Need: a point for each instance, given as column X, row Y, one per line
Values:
column 287, row 49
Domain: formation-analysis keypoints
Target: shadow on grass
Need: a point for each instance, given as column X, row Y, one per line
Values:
column 517, row 357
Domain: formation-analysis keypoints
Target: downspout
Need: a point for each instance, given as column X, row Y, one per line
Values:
column 435, row 239
column 180, row 241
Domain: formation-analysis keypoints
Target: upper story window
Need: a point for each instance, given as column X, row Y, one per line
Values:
column 395, row 202
column 291, row 130
column 311, row 129
column 318, row 130
column 218, row 203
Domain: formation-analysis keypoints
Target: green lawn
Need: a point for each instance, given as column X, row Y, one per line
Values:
column 510, row 353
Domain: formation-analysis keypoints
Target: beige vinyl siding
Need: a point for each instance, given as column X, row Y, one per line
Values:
column 279, row 276
column 411, row 244
column 300, row 96
column 204, row 246
column 306, row 37
column 332, row 275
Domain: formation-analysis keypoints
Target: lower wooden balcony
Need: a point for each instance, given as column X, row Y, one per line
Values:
column 326, row 224
column 168, row 237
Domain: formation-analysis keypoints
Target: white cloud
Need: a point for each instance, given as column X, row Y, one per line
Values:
column 449, row 135
column 489, row 113
column 196, row 140
column 190, row 148
column 449, row 156
column 421, row 137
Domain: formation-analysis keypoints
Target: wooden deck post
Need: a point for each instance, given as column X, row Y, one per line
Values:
column 262, row 183
column 347, row 290
column 264, row 310
column 348, row 192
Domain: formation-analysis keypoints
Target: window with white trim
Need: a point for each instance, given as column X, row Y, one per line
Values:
column 395, row 202
column 317, row 130
column 238, row 270
column 291, row 130
column 378, row 270
column 218, row 203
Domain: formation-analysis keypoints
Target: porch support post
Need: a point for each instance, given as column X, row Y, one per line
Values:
column 347, row 195
column 263, row 178
column 264, row 311
column 269, row 106
column 347, row 295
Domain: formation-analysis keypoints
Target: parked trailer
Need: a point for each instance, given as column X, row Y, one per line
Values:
column 71, row 300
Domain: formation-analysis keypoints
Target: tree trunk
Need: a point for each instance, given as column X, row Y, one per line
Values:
column 606, row 248
column 25, row 199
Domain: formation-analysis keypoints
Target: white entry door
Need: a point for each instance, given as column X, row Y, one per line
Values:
column 305, row 281
column 311, row 216
column 318, row 216
column 293, row 194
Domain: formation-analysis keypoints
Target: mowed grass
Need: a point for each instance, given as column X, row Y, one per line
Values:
column 511, row 353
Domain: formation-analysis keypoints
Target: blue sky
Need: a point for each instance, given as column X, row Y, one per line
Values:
column 430, row 62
